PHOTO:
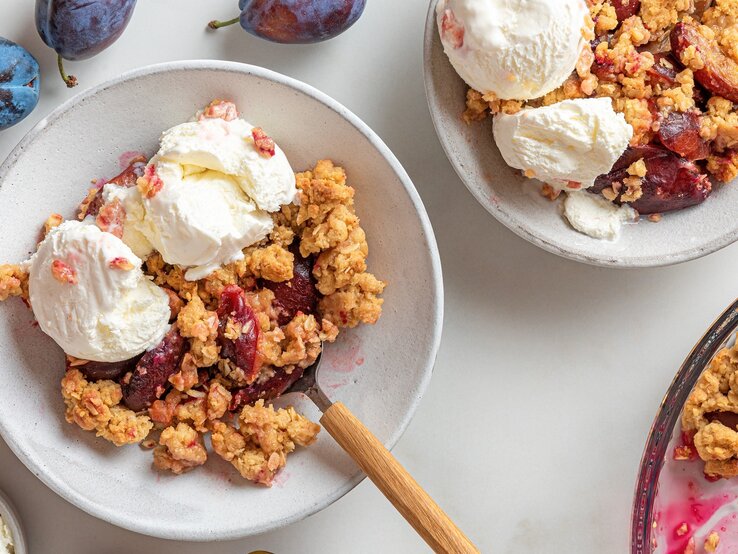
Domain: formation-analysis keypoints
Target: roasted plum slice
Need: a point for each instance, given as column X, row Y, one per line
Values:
column 96, row 371
column 626, row 8
column 296, row 295
column 680, row 133
column 719, row 73
column 271, row 388
column 663, row 71
column 233, row 312
column 148, row 381
column 126, row 178
column 671, row 182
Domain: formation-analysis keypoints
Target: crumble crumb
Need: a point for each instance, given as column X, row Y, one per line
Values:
column 715, row 393
column 181, row 448
column 13, row 282
column 95, row 406
column 258, row 448
column 712, row 541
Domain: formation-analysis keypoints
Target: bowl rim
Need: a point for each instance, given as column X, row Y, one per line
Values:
column 664, row 423
column 518, row 226
column 111, row 516
column 12, row 519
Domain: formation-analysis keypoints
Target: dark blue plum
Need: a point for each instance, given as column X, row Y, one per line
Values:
column 296, row 21
column 80, row 29
column 19, row 83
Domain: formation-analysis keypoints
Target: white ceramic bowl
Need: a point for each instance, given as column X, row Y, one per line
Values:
column 12, row 520
column 515, row 202
column 379, row 371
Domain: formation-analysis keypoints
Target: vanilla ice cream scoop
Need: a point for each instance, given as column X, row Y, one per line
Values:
column 567, row 144
column 206, row 194
column 516, row 49
column 200, row 219
column 228, row 147
column 89, row 294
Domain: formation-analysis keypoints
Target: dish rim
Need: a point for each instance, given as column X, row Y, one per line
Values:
column 519, row 227
column 665, row 421
column 10, row 515
column 110, row 515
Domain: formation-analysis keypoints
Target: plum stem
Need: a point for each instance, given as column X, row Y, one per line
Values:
column 215, row 24
column 70, row 80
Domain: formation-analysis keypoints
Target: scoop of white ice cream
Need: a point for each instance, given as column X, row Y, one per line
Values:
column 594, row 216
column 228, row 147
column 199, row 220
column 567, row 144
column 89, row 294
column 516, row 49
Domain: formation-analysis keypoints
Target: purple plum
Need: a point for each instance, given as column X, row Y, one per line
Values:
column 296, row 21
column 19, row 83
column 80, row 29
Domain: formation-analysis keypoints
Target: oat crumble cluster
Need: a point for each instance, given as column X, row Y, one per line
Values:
column 276, row 306
column 671, row 68
column 711, row 414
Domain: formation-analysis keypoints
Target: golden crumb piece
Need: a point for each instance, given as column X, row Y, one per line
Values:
column 85, row 205
column 660, row 15
column 194, row 411
column 295, row 344
column 273, row 263
column 637, row 169
column 716, row 391
column 339, row 266
column 162, row 411
column 724, row 167
column 95, row 406
column 550, row 193
column 197, row 322
column 476, row 107
column 633, row 189
column 54, row 220
column 326, row 208
column 181, row 448
column 186, row 377
column 654, row 218
column 258, row 448
column 715, row 441
column 218, row 401
column 712, row 541
column 13, row 282
column 603, row 13
column 357, row 303
column 722, row 19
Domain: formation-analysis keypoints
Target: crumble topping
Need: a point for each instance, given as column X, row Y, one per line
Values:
column 96, row 406
column 258, row 448
column 206, row 389
column 712, row 541
column 714, row 395
column 180, row 449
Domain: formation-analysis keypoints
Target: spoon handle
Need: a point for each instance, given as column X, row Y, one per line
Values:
column 395, row 482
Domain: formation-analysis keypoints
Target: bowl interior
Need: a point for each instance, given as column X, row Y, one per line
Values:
column 515, row 201
column 379, row 371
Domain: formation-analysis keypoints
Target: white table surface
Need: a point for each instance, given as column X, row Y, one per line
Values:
column 549, row 372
